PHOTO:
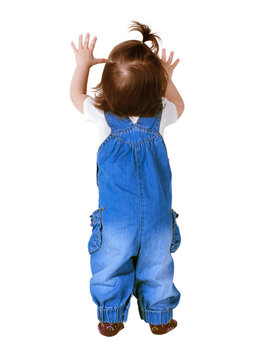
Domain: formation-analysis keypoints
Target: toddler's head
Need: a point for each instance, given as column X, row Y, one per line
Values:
column 134, row 79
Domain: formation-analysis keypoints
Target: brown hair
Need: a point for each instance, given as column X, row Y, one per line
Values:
column 133, row 79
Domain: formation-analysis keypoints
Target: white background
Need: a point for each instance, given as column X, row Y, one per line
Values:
column 48, row 180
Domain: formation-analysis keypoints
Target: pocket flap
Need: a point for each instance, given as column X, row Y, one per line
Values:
column 96, row 216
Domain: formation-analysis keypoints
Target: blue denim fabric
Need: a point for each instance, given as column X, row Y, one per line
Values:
column 134, row 229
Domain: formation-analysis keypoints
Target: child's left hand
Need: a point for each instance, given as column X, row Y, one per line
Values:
column 84, row 55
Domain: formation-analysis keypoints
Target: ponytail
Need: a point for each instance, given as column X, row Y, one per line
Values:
column 147, row 34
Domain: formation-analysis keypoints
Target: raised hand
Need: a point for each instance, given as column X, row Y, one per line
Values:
column 84, row 53
column 167, row 64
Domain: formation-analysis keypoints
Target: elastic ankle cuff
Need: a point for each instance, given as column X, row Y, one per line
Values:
column 156, row 317
column 112, row 315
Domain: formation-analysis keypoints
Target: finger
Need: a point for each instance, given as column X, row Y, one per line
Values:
column 73, row 46
column 170, row 57
column 86, row 43
column 91, row 47
column 163, row 57
column 80, row 42
column 175, row 63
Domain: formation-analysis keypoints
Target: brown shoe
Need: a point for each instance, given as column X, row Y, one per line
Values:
column 163, row 329
column 110, row 329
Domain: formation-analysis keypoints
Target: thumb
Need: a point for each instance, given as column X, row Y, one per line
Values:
column 99, row 61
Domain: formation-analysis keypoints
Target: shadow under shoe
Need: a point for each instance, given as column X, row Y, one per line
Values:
column 163, row 329
column 110, row 329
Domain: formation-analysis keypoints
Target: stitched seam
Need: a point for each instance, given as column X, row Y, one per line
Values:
column 96, row 238
column 103, row 308
column 111, row 135
column 139, row 194
column 136, row 128
column 158, row 311
column 139, row 143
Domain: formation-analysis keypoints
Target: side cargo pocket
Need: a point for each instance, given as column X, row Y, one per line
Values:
column 95, row 241
column 176, row 235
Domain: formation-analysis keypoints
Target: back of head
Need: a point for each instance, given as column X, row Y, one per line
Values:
column 134, row 79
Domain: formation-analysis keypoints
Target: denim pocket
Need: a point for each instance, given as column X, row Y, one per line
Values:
column 176, row 235
column 95, row 241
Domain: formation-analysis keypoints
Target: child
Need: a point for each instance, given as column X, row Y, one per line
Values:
column 134, row 229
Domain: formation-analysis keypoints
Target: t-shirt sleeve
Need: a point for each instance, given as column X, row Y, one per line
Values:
column 170, row 115
column 89, row 109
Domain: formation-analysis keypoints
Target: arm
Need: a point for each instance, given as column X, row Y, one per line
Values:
column 172, row 93
column 84, row 60
column 78, row 86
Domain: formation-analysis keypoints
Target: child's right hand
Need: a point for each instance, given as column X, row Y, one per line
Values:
column 84, row 53
column 167, row 64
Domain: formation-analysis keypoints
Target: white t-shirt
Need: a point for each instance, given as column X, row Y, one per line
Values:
column 91, row 113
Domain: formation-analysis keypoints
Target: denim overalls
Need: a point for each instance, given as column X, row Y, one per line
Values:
column 134, row 229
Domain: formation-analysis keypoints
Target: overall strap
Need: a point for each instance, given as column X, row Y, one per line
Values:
column 152, row 122
column 117, row 123
column 123, row 122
